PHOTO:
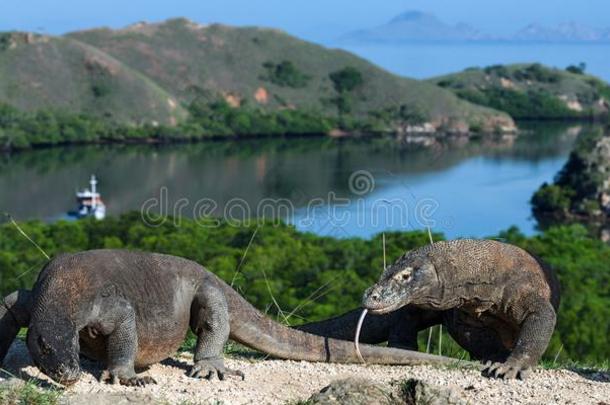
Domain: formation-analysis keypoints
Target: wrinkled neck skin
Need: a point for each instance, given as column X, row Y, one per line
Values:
column 462, row 279
column 450, row 292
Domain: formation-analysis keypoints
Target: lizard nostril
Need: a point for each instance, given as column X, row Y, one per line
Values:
column 375, row 297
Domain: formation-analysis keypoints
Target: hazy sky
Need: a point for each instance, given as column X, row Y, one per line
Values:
column 313, row 19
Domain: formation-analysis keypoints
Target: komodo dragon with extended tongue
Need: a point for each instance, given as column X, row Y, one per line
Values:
column 133, row 309
column 496, row 300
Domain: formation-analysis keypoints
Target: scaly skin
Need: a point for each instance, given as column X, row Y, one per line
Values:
column 133, row 309
column 496, row 300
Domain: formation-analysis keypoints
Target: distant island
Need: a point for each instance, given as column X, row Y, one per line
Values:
column 533, row 91
column 417, row 26
column 182, row 81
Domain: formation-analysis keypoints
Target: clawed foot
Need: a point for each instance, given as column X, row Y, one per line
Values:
column 505, row 370
column 133, row 381
column 210, row 367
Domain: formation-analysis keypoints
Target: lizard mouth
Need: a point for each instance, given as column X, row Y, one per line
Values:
column 377, row 309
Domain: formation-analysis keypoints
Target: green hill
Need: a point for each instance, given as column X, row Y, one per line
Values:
column 188, row 60
column 40, row 72
column 215, row 80
column 532, row 91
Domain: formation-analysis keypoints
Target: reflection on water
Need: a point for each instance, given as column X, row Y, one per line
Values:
column 468, row 188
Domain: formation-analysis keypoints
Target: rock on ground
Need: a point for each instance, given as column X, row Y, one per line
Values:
column 279, row 382
column 360, row 391
column 352, row 391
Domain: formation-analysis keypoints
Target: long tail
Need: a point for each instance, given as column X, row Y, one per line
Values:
column 376, row 328
column 251, row 328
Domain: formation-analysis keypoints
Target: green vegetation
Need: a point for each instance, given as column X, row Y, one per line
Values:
column 5, row 40
column 577, row 69
column 579, row 188
column 19, row 130
column 552, row 198
column 141, row 82
column 317, row 277
column 285, row 74
column 207, row 120
column 537, row 73
column 347, row 79
column 27, row 394
column 532, row 91
column 534, row 104
column 345, row 82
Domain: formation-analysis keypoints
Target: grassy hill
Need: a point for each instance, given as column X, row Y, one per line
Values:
column 168, row 74
column 532, row 91
column 41, row 72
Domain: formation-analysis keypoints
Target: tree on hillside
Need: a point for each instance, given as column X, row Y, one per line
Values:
column 285, row 74
column 577, row 69
column 346, row 79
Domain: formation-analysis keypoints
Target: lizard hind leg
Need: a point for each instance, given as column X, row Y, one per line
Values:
column 210, row 323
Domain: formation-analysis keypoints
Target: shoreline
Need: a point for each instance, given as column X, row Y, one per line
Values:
column 238, row 138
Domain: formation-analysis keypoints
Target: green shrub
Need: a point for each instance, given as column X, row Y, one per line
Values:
column 577, row 69
column 552, row 199
column 537, row 73
column 347, row 79
column 285, row 74
column 498, row 70
column 534, row 104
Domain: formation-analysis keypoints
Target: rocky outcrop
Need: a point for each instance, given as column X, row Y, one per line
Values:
column 581, row 190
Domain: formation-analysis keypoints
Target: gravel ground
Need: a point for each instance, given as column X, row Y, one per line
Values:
column 278, row 382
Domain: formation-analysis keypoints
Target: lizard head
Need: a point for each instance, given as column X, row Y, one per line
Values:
column 54, row 348
column 410, row 280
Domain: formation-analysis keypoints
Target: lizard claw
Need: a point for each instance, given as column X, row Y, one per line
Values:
column 210, row 368
column 506, row 371
column 134, row 381
column 137, row 381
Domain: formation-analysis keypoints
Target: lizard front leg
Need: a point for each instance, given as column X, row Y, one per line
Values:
column 210, row 322
column 14, row 314
column 533, row 339
column 118, row 322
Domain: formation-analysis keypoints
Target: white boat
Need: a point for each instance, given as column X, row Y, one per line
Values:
column 90, row 202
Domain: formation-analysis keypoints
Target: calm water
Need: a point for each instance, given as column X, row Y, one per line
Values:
column 355, row 187
column 423, row 61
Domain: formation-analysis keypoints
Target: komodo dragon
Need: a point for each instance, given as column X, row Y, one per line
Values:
column 496, row 300
column 133, row 309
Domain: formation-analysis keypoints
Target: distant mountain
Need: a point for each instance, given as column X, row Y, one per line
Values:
column 416, row 26
column 564, row 32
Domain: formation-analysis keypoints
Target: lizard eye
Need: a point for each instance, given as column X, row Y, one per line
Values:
column 404, row 275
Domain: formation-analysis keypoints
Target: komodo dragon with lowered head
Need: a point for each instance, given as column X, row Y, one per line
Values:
column 133, row 309
column 496, row 300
